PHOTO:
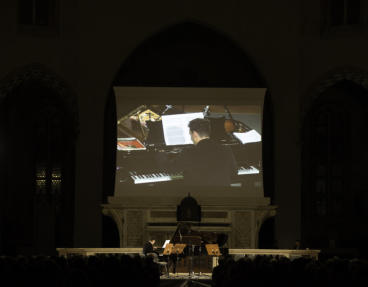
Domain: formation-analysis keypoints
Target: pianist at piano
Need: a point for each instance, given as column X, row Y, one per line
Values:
column 207, row 163
column 148, row 247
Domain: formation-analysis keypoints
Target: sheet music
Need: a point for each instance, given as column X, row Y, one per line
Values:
column 176, row 130
column 166, row 242
column 249, row 137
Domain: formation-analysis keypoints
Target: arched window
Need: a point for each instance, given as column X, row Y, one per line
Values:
column 49, row 150
column 39, row 125
column 333, row 156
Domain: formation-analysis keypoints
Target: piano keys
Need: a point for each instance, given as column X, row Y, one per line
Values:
column 159, row 250
column 247, row 170
column 139, row 178
column 154, row 177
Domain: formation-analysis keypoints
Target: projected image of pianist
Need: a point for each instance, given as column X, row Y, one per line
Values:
column 207, row 163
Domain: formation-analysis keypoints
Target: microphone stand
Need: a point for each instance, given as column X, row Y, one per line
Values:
column 199, row 264
column 191, row 262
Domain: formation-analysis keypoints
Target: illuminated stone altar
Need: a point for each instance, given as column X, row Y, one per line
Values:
column 140, row 216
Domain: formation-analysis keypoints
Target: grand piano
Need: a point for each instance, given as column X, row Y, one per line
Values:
column 140, row 167
column 193, row 254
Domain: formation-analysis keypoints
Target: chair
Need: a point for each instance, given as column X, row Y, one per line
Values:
column 162, row 264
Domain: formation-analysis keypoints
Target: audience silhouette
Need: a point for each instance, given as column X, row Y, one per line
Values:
column 99, row 270
column 281, row 271
column 125, row 270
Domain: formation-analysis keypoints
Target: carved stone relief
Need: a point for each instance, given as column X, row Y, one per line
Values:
column 241, row 229
column 134, row 228
column 137, row 226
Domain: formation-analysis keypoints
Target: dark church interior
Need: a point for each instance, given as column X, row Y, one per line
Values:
column 84, row 85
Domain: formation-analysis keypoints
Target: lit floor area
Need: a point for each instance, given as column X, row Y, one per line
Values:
column 184, row 279
column 205, row 276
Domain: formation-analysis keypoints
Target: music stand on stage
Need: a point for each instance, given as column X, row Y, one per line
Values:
column 175, row 250
column 178, row 248
column 168, row 249
column 213, row 250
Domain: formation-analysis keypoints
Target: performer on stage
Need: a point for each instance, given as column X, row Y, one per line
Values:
column 148, row 248
column 208, row 163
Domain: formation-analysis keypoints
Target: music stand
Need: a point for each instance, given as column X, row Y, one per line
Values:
column 178, row 248
column 171, row 249
column 168, row 249
column 213, row 250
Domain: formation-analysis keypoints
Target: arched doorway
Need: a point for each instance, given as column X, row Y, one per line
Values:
column 334, row 160
column 38, row 121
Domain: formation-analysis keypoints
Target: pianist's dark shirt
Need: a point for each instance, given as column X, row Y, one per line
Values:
column 206, row 164
column 148, row 248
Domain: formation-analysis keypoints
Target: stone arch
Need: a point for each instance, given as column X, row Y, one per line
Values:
column 260, row 218
column 39, row 122
column 176, row 46
column 195, row 42
column 116, row 230
column 186, row 54
column 266, row 234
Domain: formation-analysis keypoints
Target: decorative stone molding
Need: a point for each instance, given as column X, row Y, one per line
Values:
column 149, row 218
column 134, row 228
column 242, row 229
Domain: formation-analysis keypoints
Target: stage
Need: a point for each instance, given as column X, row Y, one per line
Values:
column 184, row 279
column 236, row 253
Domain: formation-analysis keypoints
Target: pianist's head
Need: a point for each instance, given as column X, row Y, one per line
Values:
column 199, row 129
